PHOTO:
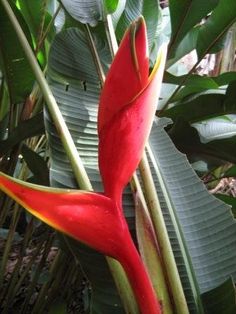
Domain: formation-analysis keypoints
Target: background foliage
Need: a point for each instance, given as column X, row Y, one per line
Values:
column 41, row 271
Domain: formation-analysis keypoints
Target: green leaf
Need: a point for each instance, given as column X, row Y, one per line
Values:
column 185, row 15
column 74, row 81
column 220, row 80
column 230, row 200
column 203, row 106
column 89, row 12
column 151, row 13
column 202, row 225
column 4, row 102
column 197, row 86
column 231, row 172
column 37, row 165
column 26, row 129
column 216, row 26
column 187, row 44
column 221, row 299
column 200, row 108
column 110, row 5
column 16, row 69
column 215, row 129
column 187, row 140
column 37, row 18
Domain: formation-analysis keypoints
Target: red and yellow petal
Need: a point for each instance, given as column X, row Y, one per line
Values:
column 88, row 217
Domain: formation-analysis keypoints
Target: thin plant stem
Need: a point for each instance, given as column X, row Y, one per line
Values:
column 111, row 37
column 42, row 22
column 95, row 55
column 160, row 282
column 44, row 35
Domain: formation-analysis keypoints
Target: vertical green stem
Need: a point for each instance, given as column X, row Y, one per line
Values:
column 157, row 271
column 111, row 37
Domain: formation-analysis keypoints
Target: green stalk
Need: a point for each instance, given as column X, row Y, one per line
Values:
column 154, row 257
column 111, row 37
column 95, row 55
column 162, row 236
column 44, row 35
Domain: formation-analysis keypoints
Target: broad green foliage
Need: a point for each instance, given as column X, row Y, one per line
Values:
column 216, row 26
column 184, row 16
column 201, row 229
column 198, row 218
column 13, row 63
column 90, row 12
column 133, row 9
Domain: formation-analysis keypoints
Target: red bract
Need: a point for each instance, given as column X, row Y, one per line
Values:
column 88, row 217
column 127, row 107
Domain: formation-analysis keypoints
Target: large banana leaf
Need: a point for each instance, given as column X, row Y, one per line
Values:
column 215, row 129
column 185, row 15
column 204, row 225
column 216, row 27
column 133, row 9
column 73, row 78
column 13, row 64
column 89, row 11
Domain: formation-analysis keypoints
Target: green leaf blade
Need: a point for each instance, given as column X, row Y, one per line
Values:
column 207, row 226
column 216, row 26
column 185, row 15
column 15, row 67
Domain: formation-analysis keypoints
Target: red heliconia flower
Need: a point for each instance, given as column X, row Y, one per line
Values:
column 126, row 110
column 127, row 107
column 91, row 218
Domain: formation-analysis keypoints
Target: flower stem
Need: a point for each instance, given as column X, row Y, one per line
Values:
column 111, row 37
column 139, row 279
